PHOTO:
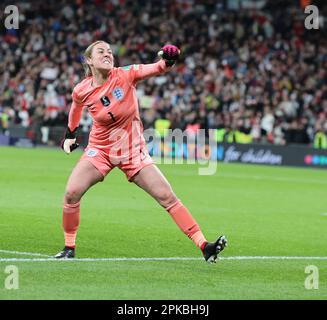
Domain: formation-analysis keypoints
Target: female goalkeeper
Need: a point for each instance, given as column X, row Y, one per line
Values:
column 116, row 140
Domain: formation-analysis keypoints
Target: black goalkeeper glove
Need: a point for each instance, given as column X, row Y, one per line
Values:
column 170, row 54
column 69, row 144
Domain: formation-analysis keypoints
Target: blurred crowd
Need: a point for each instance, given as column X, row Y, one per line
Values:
column 253, row 75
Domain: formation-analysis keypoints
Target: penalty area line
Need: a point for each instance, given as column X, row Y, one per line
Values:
column 159, row 259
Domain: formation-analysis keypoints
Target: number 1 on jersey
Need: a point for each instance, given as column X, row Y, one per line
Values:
column 112, row 116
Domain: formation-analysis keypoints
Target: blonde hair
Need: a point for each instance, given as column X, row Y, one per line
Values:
column 88, row 54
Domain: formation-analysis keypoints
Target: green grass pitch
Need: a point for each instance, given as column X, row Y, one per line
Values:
column 263, row 211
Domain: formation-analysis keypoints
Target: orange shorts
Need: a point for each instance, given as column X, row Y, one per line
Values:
column 104, row 163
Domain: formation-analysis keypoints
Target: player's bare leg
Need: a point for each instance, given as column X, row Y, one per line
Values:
column 81, row 179
column 153, row 182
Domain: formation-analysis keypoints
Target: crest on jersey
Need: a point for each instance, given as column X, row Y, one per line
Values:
column 105, row 101
column 118, row 93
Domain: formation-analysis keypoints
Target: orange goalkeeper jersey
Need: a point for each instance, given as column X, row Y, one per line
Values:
column 113, row 107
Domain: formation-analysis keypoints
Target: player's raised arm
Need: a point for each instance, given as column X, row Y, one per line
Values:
column 169, row 55
column 69, row 143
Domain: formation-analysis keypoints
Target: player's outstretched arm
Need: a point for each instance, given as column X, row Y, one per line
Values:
column 169, row 54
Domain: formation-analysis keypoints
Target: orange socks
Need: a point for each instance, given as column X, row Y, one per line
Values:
column 186, row 223
column 70, row 223
column 180, row 214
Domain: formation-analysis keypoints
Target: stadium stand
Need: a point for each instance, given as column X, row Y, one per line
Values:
column 254, row 75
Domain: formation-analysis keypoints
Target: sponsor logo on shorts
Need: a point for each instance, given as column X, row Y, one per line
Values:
column 92, row 153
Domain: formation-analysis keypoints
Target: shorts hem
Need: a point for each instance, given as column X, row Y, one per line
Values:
column 138, row 170
column 95, row 166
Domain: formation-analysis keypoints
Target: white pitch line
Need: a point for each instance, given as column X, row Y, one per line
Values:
column 159, row 259
column 272, row 258
column 98, row 259
column 25, row 253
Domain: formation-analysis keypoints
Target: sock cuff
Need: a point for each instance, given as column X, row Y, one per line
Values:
column 72, row 205
column 175, row 205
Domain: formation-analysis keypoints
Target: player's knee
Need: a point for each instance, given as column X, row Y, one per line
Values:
column 72, row 196
column 167, row 198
